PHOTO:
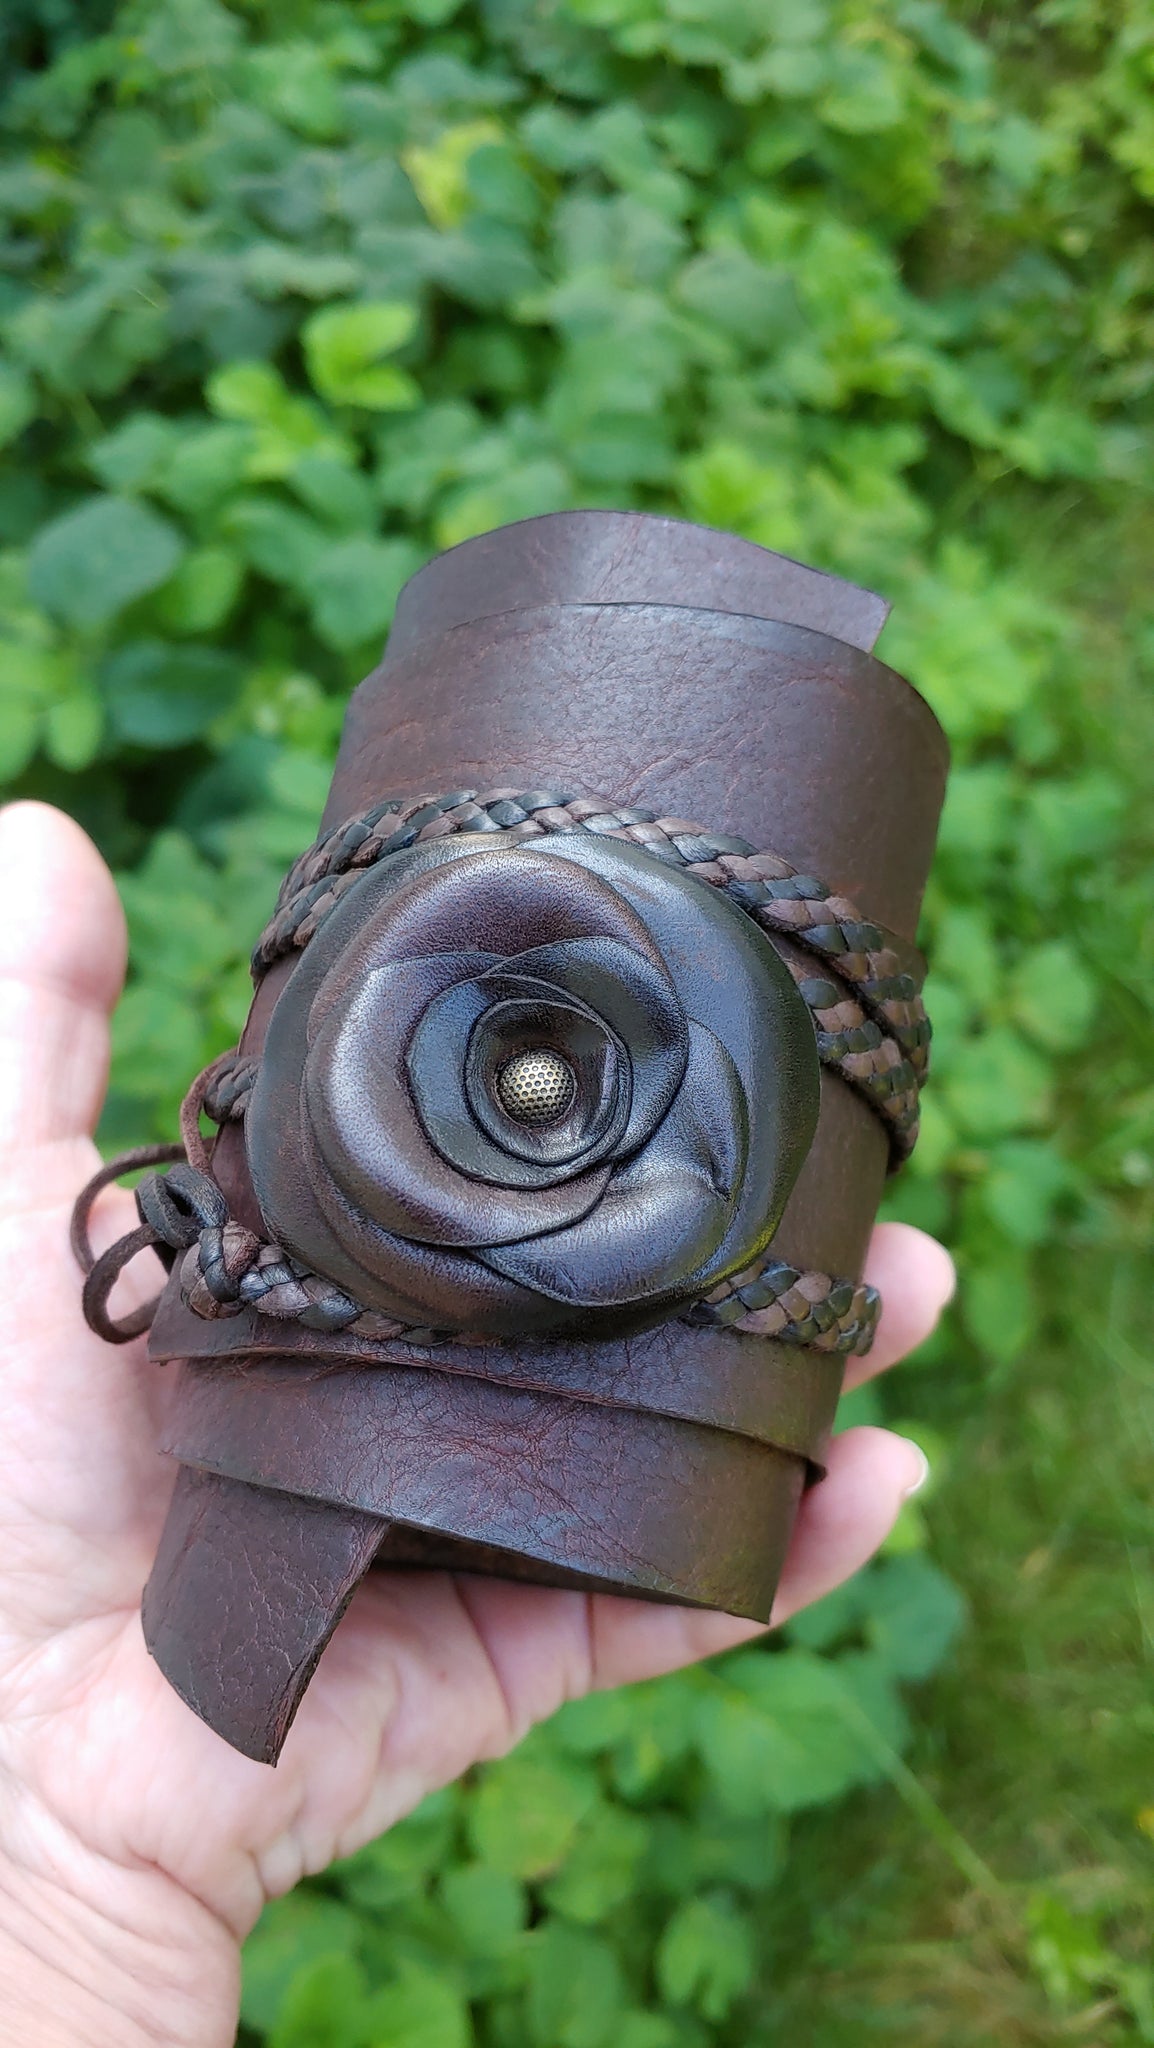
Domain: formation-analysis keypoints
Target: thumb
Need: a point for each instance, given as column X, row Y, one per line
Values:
column 62, row 953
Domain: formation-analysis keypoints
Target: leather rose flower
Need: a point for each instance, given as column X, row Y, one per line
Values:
column 512, row 1089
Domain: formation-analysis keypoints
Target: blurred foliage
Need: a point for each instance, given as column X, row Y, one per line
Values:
column 291, row 297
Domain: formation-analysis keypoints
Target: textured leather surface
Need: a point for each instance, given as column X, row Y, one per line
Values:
column 626, row 558
column 246, row 1590
column 496, row 1466
column 654, row 663
column 782, row 735
column 775, row 1393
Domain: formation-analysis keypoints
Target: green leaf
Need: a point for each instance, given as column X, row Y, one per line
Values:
column 282, row 426
column 181, row 937
column 658, row 1736
column 833, row 1617
column 325, row 2006
column 419, row 454
column 705, row 1957
column 73, row 726
column 419, row 2008
column 353, row 586
column 1026, row 1179
column 586, row 1727
column 599, row 1873
column 433, row 13
column 438, row 170
column 19, row 736
column 1053, row 996
column 343, row 348
column 342, row 496
column 646, row 2030
column 980, row 810
column 998, row 1304
column 621, row 448
column 1057, row 440
column 295, row 81
column 966, row 946
column 1068, row 1952
column 156, row 1038
column 775, row 1734
column 274, row 269
column 135, row 455
column 161, row 695
column 292, row 1934
column 913, row 1614
column 203, row 591
column 745, row 298
column 280, row 541
column 1067, row 821
column 486, row 1908
column 538, row 486
column 253, row 392
column 301, row 783
column 998, row 1084
column 397, row 1865
column 575, row 1992
column 526, row 1813
column 88, row 565
column 18, row 403
column 206, row 465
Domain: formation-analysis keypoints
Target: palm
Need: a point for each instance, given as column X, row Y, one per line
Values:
column 425, row 1674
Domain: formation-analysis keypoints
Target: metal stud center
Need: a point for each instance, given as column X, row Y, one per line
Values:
column 536, row 1087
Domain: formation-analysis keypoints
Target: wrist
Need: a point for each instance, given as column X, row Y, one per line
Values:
column 95, row 1955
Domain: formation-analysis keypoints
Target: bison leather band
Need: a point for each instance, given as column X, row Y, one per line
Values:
column 572, row 1424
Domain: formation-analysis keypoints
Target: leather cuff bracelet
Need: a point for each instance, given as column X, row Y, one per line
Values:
column 531, row 1236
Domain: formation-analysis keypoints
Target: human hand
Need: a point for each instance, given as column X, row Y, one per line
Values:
column 137, row 1848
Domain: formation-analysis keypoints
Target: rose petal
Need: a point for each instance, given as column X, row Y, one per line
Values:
column 731, row 979
column 425, row 1284
column 466, row 1128
column 372, row 1141
column 664, row 1211
column 639, row 1002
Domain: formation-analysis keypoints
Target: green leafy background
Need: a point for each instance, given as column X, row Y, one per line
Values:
column 294, row 295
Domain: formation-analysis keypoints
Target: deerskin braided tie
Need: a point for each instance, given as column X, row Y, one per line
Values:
column 868, row 1012
column 775, row 1299
column 227, row 1268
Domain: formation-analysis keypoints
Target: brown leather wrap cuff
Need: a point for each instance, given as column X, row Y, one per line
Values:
column 655, row 663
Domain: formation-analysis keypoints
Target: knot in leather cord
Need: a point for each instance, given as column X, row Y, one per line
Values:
column 103, row 1272
column 173, row 1207
column 176, row 1206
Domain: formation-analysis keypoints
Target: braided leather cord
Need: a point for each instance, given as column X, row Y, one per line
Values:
column 228, row 1084
column 227, row 1268
column 774, row 1299
column 868, row 1012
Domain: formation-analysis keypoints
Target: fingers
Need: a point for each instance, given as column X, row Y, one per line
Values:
column 547, row 1646
column 840, row 1524
column 915, row 1277
column 843, row 1519
column 632, row 1640
column 62, row 952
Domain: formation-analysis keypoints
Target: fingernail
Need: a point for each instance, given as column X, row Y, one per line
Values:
column 923, row 1469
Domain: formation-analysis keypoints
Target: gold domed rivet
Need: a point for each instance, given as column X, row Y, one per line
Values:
column 536, row 1087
